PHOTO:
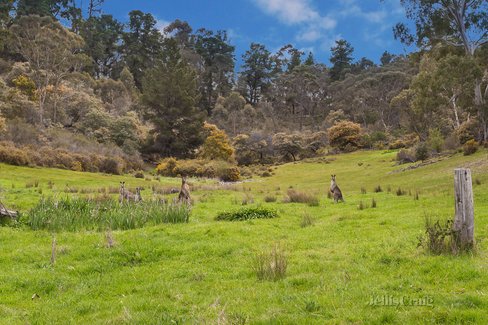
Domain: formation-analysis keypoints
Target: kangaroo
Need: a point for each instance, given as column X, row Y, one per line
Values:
column 335, row 190
column 138, row 196
column 184, row 195
column 126, row 194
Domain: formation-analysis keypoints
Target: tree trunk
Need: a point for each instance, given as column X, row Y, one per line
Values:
column 479, row 101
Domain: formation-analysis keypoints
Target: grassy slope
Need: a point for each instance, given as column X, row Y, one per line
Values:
column 201, row 271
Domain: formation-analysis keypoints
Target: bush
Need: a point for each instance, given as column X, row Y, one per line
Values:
column 468, row 130
column 59, row 158
column 247, row 214
column 270, row 198
column 229, row 174
column 435, row 140
column 470, row 147
column 405, row 156
column 294, row 196
column 422, row 152
column 139, row 174
column 270, row 265
column 11, row 155
column 223, row 170
column 408, row 140
column 440, row 238
column 76, row 166
column 167, row 167
column 376, row 139
column 345, row 135
column 217, row 145
column 111, row 166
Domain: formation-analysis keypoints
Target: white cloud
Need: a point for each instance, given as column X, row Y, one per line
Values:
column 309, row 35
column 299, row 12
column 289, row 11
column 161, row 24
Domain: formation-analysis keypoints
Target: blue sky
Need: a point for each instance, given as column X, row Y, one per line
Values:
column 310, row 25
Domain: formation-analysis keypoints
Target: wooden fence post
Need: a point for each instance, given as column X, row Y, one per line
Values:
column 464, row 219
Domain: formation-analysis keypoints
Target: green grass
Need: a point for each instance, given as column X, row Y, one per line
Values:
column 204, row 271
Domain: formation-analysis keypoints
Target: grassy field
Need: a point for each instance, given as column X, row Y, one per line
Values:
column 202, row 271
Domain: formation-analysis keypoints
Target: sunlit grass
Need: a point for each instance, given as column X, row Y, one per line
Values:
column 337, row 257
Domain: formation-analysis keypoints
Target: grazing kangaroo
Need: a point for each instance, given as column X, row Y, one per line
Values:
column 335, row 190
column 184, row 195
column 128, row 195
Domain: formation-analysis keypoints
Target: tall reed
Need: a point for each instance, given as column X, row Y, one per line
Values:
column 73, row 214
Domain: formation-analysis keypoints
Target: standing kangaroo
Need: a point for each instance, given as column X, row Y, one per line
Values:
column 184, row 195
column 138, row 196
column 335, row 190
column 127, row 195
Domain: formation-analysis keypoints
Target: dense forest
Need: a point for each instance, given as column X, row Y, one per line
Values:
column 83, row 91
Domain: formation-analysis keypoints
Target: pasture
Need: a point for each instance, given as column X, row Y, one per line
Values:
column 346, row 263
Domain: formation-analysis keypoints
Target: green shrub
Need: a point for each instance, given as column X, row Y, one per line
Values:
column 247, row 214
column 435, row 140
column 470, row 147
column 422, row 151
column 440, row 238
column 82, row 214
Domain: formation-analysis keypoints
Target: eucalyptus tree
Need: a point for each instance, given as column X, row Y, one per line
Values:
column 457, row 23
column 52, row 51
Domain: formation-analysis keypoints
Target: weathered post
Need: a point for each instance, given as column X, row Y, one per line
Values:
column 464, row 219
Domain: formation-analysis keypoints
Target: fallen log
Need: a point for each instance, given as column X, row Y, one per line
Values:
column 4, row 212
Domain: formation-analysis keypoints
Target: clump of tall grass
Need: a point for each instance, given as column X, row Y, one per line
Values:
column 247, row 199
column 441, row 238
column 378, row 189
column 307, row 221
column 294, row 196
column 74, row 214
column 361, row 205
column 373, row 203
column 270, row 265
column 30, row 184
column 400, row 192
column 438, row 236
column 270, row 198
column 247, row 214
